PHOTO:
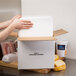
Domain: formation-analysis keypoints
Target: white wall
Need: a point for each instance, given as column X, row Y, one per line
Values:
column 64, row 14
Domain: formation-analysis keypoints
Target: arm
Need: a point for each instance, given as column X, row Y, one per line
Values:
column 16, row 24
column 7, row 23
column 4, row 34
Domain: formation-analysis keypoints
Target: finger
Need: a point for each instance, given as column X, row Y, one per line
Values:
column 26, row 21
column 13, row 18
column 25, row 27
column 16, row 17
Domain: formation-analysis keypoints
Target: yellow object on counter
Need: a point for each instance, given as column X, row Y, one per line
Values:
column 56, row 57
column 59, row 65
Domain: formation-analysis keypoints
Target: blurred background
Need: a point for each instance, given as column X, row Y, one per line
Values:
column 63, row 12
column 9, row 8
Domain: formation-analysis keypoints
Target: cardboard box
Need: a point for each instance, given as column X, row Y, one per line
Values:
column 36, row 47
column 37, row 52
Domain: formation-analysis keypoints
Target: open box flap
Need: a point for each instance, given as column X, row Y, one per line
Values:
column 15, row 34
column 59, row 32
column 56, row 33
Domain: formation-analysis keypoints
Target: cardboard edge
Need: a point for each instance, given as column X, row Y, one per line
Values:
column 56, row 33
column 15, row 34
column 35, row 38
column 59, row 32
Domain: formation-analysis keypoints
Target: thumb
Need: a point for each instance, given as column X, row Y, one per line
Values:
column 18, row 17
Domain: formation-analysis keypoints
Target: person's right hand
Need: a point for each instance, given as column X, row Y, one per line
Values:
column 21, row 24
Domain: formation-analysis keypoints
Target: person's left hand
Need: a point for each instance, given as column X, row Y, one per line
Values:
column 21, row 24
column 11, row 20
column 8, row 22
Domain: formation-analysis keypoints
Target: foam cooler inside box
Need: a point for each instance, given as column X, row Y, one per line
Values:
column 36, row 54
column 42, row 27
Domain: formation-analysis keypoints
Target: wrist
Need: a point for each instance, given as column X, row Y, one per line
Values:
column 12, row 27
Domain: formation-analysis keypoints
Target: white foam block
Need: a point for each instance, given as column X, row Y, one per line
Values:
column 42, row 27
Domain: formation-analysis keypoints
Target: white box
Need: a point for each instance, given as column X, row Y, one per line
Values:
column 36, row 54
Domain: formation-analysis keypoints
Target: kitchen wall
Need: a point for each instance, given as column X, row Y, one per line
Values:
column 9, row 8
column 63, row 12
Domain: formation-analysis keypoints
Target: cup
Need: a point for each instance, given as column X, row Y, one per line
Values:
column 61, row 47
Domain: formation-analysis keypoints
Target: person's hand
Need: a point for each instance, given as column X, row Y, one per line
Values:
column 21, row 24
column 7, row 23
column 11, row 20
